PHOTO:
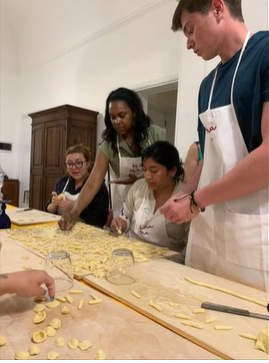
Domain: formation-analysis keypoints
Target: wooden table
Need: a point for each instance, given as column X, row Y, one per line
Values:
column 119, row 331
column 162, row 281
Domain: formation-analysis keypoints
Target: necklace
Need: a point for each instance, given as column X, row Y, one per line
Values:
column 130, row 144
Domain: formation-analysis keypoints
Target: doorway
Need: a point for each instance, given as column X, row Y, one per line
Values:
column 160, row 104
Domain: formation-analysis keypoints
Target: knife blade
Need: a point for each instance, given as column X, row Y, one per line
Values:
column 232, row 310
column 24, row 210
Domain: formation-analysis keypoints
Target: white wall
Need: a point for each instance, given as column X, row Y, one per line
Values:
column 9, row 95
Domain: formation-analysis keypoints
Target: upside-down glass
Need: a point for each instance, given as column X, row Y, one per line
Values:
column 58, row 265
column 120, row 268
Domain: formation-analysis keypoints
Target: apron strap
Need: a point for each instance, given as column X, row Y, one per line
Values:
column 235, row 72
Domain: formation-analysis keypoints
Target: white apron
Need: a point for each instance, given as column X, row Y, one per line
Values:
column 229, row 239
column 149, row 228
column 126, row 166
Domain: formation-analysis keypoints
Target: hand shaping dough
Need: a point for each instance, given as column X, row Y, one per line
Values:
column 100, row 355
column 262, row 341
column 227, row 292
column 61, row 196
column 3, row 340
column 22, row 355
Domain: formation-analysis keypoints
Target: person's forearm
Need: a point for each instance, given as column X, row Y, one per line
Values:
column 4, row 287
column 52, row 208
column 192, row 184
column 248, row 176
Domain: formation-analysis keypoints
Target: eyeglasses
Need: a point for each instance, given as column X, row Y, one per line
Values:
column 77, row 164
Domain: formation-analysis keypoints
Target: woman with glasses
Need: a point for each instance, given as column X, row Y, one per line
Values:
column 68, row 187
column 128, row 132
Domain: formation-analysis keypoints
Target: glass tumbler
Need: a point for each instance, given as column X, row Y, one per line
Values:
column 120, row 267
column 58, row 265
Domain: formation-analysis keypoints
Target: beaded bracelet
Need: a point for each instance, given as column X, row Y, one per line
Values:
column 193, row 202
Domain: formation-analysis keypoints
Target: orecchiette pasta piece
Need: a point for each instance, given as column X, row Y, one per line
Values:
column 39, row 308
column 86, row 344
column 100, row 355
column 55, row 323
column 39, row 336
column 3, row 340
column 73, row 343
column 53, row 304
column 39, row 317
column 22, row 355
column 34, row 350
column 59, row 342
column 50, row 331
column 65, row 310
column 52, row 355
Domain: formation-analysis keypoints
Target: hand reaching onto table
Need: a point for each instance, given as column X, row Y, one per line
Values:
column 27, row 283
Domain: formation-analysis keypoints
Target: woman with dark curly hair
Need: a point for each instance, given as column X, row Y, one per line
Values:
column 128, row 132
column 141, row 218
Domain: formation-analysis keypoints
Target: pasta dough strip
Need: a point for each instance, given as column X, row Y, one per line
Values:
column 255, row 301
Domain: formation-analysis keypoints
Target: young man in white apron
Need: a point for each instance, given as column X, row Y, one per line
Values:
column 228, row 195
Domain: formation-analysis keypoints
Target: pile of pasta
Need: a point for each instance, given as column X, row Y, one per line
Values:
column 90, row 248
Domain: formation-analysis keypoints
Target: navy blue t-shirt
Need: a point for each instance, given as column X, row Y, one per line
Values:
column 251, row 89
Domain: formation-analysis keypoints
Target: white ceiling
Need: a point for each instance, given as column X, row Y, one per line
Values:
column 41, row 29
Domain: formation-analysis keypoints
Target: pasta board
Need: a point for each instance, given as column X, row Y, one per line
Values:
column 163, row 282
column 120, row 332
column 90, row 248
column 34, row 216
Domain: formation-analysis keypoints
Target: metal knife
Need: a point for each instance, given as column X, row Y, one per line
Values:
column 24, row 210
column 232, row 310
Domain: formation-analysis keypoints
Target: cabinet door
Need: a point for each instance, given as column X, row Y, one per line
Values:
column 10, row 191
column 36, row 191
column 54, row 151
column 37, row 158
column 82, row 133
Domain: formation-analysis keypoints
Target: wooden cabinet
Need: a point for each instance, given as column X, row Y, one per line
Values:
column 53, row 131
column 10, row 191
